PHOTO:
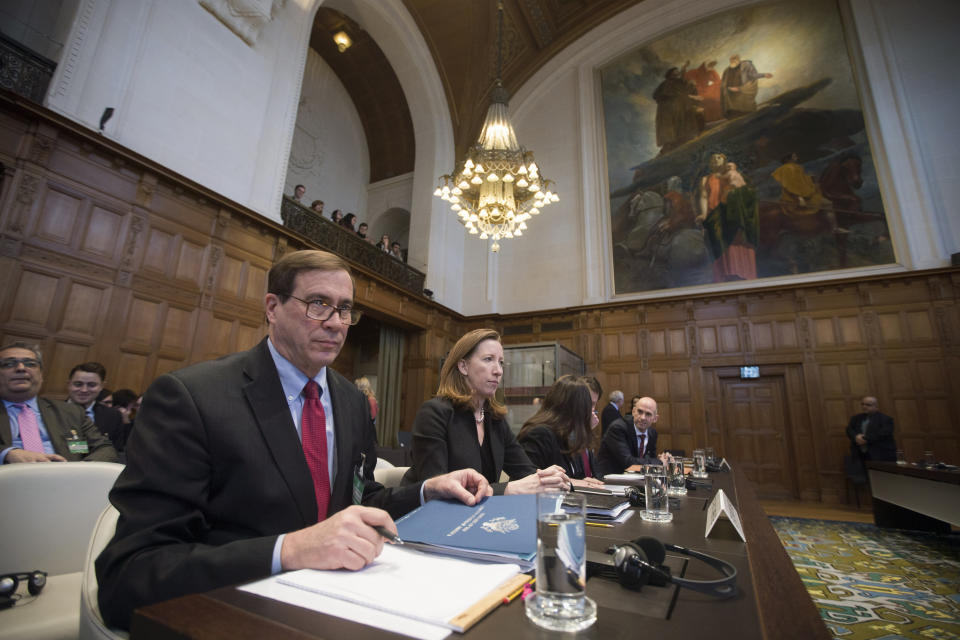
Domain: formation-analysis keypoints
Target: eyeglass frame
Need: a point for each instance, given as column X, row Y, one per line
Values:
column 354, row 317
column 13, row 363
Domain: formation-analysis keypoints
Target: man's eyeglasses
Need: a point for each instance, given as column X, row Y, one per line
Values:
column 320, row 310
column 12, row 363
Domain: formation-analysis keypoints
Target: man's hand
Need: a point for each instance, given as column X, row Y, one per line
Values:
column 553, row 477
column 466, row 485
column 21, row 455
column 859, row 440
column 345, row 540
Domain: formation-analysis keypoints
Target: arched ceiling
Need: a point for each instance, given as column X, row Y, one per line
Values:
column 462, row 36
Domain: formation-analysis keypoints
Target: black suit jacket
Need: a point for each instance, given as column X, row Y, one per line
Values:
column 880, row 443
column 60, row 419
column 110, row 422
column 619, row 448
column 215, row 472
column 445, row 439
column 608, row 415
column 543, row 449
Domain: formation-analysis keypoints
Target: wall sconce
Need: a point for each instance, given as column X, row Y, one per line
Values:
column 343, row 40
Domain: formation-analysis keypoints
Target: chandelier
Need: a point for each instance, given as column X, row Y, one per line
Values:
column 497, row 187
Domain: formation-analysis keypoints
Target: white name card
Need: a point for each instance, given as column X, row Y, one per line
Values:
column 719, row 507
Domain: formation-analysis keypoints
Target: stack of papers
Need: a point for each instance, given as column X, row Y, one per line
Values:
column 429, row 588
column 604, row 506
column 498, row 529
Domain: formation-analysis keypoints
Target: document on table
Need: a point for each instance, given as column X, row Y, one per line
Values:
column 406, row 591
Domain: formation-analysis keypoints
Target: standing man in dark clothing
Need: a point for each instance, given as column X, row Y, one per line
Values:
column 612, row 411
column 871, row 433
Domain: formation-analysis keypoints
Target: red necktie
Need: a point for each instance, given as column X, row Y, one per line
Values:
column 29, row 430
column 313, row 425
column 643, row 440
column 587, row 472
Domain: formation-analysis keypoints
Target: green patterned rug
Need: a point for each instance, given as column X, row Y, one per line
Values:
column 880, row 584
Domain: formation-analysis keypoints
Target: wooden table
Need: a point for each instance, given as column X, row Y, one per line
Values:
column 909, row 497
column 772, row 602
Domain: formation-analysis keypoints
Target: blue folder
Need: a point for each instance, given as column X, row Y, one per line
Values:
column 499, row 529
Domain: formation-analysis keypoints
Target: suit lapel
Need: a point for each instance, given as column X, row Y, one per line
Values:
column 55, row 429
column 265, row 397
column 6, row 434
column 343, row 433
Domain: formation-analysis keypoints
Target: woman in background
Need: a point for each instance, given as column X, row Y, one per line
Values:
column 347, row 222
column 364, row 385
column 337, row 216
column 560, row 432
column 464, row 425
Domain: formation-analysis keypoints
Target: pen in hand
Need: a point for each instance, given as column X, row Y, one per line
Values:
column 389, row 535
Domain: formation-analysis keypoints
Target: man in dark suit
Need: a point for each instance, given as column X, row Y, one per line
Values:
column 84, row 387
column 624, row 444
column 258, row 462
column 611, row 412
column 36, row 429
column 871, row 433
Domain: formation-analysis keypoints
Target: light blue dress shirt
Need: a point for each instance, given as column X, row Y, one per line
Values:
column 13, row 414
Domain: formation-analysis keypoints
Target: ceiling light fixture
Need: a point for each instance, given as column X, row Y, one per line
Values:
column 343, row 40
column 497, row 187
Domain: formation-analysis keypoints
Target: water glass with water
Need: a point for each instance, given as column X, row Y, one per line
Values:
column 560, row 602
column 710, row 455
column 676, row 478
column 699, row 463
column 901, row 457
column 656, row 487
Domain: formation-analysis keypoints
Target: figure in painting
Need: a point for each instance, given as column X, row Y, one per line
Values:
column 707, row 81
column 679, row 115
column 739, row 87
column 800, row 195
column 728, row 212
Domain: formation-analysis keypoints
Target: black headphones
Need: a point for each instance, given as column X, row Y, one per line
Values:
column 36, row 580
column 641, row 562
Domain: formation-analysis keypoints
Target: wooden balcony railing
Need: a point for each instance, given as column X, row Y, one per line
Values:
column 332, row 237
column 24, row 72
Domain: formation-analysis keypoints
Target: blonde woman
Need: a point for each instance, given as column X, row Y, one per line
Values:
column 364, row 385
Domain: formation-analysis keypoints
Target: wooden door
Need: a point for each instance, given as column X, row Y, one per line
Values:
column 756, row 432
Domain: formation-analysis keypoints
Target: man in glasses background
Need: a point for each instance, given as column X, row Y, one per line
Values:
column 259, row 462
column 38, row 429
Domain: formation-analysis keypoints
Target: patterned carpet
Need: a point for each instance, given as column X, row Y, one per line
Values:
column 877, row 583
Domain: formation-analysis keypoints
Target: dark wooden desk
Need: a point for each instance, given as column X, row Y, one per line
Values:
column 772, row 602
column 909, row 497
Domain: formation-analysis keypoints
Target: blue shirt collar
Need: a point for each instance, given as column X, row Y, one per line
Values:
column 32, row 403
column 292, row 379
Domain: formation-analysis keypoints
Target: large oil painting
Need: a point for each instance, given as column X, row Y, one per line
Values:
column 737, row 150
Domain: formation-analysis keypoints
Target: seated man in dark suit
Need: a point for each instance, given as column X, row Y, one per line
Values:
column 611, row 412
column 36, row 429
column 84, row 387
column 625, row 444
column 871, row 433
column 259, row 462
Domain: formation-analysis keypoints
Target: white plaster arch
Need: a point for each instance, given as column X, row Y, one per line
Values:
column 436, row 239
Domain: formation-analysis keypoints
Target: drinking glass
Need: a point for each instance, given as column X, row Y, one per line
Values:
column 928, row 459
column 710, row 455
column 901, row 457
column 560, row 602
column 677, row 478
column 699, row 463
column 655, row 487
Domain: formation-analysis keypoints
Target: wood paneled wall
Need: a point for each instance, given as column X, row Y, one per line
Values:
column 826, row 345
column 107, row 256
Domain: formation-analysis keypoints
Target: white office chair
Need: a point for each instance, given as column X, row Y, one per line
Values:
column 389, row 476
column 383, row 463
column 92, row 626
column 49, row 511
